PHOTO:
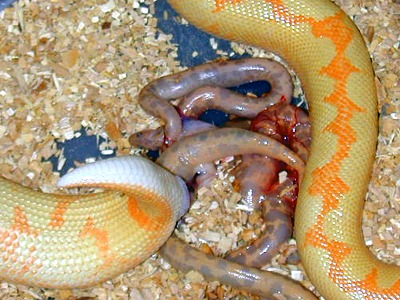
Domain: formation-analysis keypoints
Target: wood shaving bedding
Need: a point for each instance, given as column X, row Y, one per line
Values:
column 67, row 65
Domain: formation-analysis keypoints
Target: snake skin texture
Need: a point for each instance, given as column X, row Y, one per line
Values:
column 75, row 241
column 327, row 51
column 61, row 241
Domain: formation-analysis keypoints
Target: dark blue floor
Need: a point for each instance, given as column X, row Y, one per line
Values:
column 5, row 3
column 189, row 39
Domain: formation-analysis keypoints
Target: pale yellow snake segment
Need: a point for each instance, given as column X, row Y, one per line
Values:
column 327, row 51
column 61, row 241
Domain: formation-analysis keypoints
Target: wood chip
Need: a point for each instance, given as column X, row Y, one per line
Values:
column 64, row 65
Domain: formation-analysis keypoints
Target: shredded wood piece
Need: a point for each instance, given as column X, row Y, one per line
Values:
column 66, row 65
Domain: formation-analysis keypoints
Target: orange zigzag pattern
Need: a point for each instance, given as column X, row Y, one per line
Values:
column 9, row 239
column 326, row 181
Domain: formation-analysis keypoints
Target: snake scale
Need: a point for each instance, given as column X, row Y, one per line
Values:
column 60, row 242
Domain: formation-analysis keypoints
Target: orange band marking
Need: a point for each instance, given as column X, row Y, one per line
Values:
column 100, row 235
column 101, row 240
column 281, row 13
column 221, row 4
column 57, row 218
column 146, row 221
column 326, row 181
column 9, row 238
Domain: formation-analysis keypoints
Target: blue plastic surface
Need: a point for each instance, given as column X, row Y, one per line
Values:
column 5, row 3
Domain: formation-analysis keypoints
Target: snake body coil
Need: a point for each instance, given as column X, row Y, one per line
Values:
column 90, row 241
column 327, row 51
column 75, row 241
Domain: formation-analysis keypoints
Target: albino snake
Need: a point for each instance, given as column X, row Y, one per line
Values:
column 53, row 241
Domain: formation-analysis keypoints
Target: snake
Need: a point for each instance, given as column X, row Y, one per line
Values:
column 328, row 52
column 74, row 241
column 59, row 241
column 256, row 177
column 257, row 180
column 204, row 87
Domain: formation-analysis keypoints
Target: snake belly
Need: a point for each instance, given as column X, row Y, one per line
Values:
column 328, row 53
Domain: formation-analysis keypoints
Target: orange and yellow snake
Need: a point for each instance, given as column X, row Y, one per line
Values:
column 74, row 241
